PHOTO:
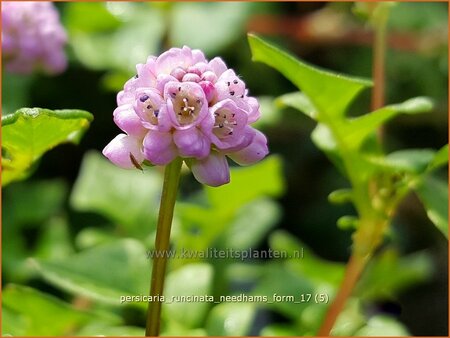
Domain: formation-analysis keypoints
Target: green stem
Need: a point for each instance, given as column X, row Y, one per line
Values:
column 168, row 197
column 366, row 239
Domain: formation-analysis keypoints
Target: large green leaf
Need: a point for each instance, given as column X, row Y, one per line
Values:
column 30, row 132
column 329, row 92
column 433, row 192
column 32, row 313
column 128, row 197
column 104, row 273
column 190, row 280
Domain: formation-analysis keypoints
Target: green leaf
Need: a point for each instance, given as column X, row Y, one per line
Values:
column 382, row 325
column 440, row 159
column 90, row 17
column 309, row 266
column 388, row 274
column 227, row 18
column 331, row 93
column 433, row 192
column 33, row 313
column 357, row 130
column 104, row 273
column 230, row 319
column 279, row 330
column 282, row 280
column 32, row 203
column 324, row 140
column 54, row 242
column 30, row 132
column 128, row 197
column 413, row 161
column 114, row 36
column 190, row 280
column 103, row 329
column 257, row 218
column 262, row 179
column 300, row 102
column 350, row 319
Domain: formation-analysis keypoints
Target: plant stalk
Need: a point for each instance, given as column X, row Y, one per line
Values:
column 162, row 241
column 378, row 65
column 354, row 269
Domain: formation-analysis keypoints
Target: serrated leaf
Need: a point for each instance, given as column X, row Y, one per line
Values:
column 30, row 132
column 104, row 273
column 433, row 192
column 331, row 93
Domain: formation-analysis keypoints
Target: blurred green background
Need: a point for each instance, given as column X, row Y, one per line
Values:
column 83, row 220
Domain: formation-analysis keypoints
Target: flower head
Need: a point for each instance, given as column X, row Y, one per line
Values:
column 32, row 37
column 181, row 104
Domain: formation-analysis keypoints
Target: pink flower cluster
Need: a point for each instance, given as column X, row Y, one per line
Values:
column 179, row 104
column 32, row 37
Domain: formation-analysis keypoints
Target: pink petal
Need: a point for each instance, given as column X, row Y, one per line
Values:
column 218, row 66
column 175, row 92
column 173, row 58
column 255, row 152
column 230, row 86
column 198, row 56
column 212, row 171
column 127, row 120
column 147, row 106
column 159, row 148
column 254, row 113
column 192, row 143
column 220, row 136
column 121, row 149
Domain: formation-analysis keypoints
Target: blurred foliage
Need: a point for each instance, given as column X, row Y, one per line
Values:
column 79, row 230
column 30, row 132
